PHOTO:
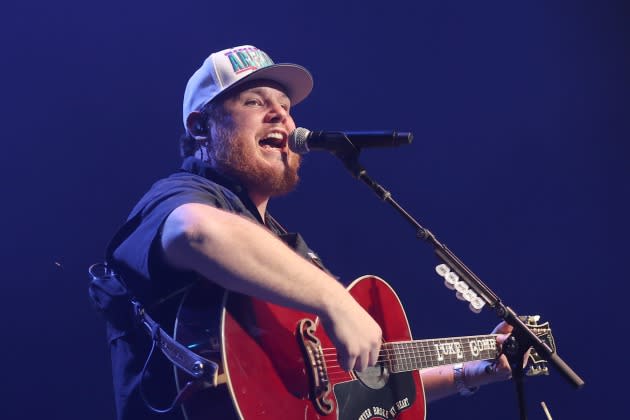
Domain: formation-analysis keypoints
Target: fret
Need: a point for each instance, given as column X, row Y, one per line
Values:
column 421, row 354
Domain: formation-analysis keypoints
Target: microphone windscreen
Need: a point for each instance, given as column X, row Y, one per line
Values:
column 298, row 140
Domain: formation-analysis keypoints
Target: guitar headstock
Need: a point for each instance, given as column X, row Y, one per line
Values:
column 535, row 365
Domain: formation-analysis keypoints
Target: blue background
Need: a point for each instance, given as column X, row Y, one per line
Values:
column 520, row 164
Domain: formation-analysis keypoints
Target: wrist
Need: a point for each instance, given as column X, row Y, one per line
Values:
column 459, row 379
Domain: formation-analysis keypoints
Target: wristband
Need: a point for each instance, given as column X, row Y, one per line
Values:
column 458, row 376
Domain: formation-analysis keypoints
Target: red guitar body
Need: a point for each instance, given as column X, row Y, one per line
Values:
column 266, row 372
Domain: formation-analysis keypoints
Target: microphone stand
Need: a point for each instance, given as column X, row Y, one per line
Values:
column 522, row 338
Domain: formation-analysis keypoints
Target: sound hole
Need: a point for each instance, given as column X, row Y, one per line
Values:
column 374, row 377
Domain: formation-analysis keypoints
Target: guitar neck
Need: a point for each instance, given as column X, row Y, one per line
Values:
column 421, row 354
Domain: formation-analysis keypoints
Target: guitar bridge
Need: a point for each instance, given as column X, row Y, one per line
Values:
column 319, row 384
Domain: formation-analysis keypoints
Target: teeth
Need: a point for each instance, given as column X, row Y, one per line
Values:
column 275, row 136
column 273, row 139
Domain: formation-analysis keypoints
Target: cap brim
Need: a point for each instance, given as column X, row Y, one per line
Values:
column 294, row 78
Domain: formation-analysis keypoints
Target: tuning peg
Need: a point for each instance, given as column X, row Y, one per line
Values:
column 537, row 370
column 530, row 320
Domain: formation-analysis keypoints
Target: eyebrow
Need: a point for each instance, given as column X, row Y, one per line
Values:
column 259, row 90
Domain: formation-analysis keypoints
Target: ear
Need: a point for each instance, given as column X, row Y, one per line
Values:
column 198, row 126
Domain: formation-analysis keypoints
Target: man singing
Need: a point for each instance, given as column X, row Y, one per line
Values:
column 208, row 223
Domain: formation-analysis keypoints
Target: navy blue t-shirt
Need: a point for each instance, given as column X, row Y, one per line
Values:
column 136, row 256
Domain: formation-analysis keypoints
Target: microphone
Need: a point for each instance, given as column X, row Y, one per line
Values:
column 302, row 140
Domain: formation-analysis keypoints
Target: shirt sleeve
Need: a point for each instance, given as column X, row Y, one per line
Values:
column 138, row 256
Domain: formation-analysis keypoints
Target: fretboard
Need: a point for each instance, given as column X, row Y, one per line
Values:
column 404, row 356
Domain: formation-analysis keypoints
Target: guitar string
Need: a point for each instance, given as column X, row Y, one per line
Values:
column 411, row 359
column 402, row 362
column 397, row 359
column 428, row 345
column 418, row 351
column 402, row 345
column 335, row 372
column 406, row 355
column 412, row 354
column 421, row 361
column 428, row 348
column 333, row 368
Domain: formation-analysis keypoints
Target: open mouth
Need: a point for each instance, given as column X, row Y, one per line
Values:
column 274, row 140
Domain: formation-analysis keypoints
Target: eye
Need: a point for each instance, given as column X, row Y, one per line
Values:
column 253, row 102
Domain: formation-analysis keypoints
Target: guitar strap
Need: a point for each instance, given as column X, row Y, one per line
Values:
column 295, row 242
column 111, row 296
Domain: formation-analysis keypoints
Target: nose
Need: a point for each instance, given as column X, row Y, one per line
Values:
column 277, row 113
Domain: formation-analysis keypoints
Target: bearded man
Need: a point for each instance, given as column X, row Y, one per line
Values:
column 208, row 223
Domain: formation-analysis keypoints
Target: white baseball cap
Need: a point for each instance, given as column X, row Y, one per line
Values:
column 229, row 68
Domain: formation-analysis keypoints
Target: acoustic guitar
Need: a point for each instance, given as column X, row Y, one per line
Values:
column 278, row 363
